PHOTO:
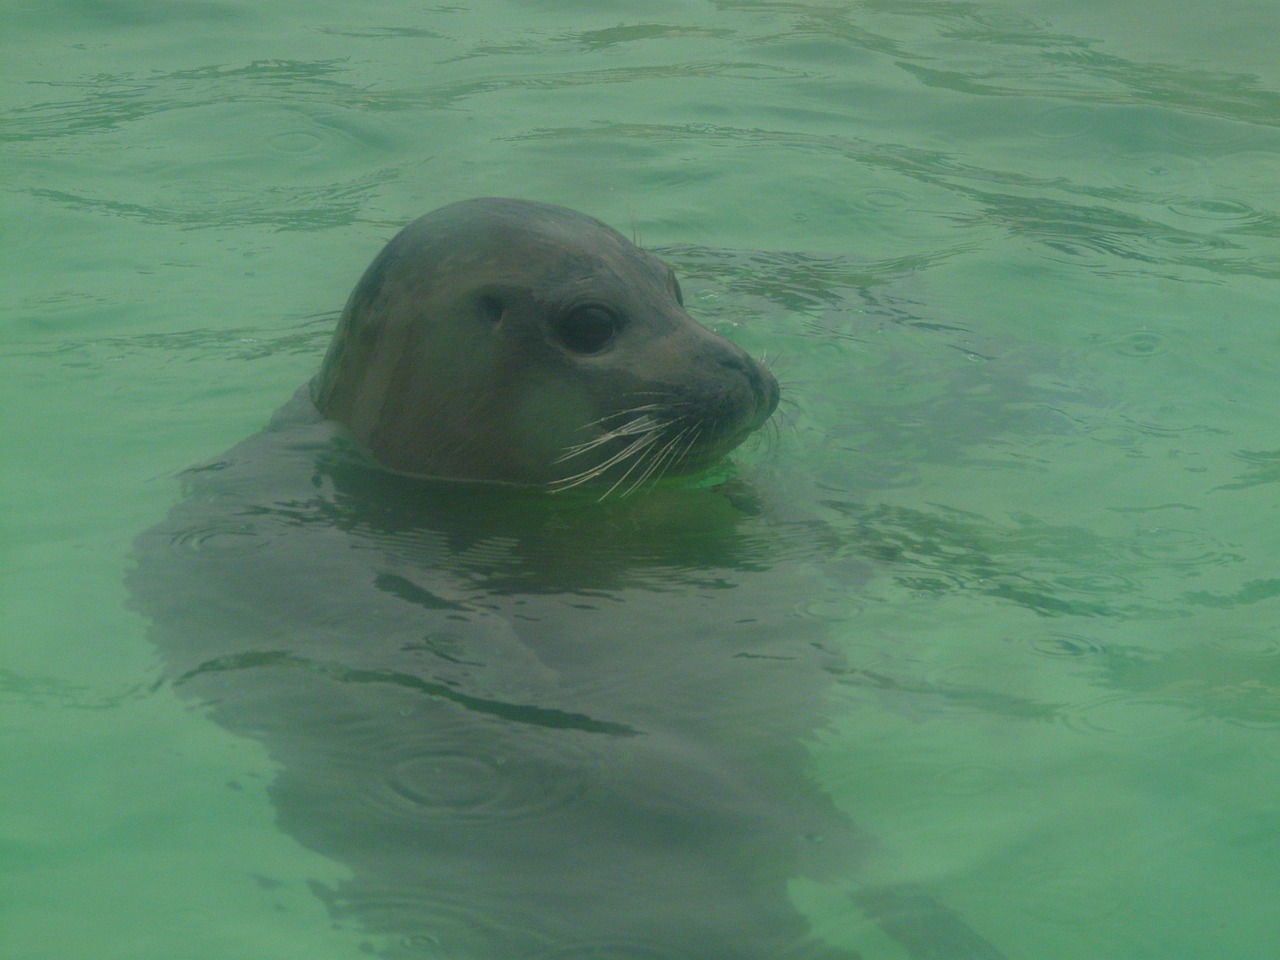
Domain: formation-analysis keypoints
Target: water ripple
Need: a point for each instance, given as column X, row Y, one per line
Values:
column 220, row 539
column 1222, row 211
column 1181, row 548
column 1068, row 646
column 512, row 775
column 295, row 142
column 427, row 921
column 1125, row 716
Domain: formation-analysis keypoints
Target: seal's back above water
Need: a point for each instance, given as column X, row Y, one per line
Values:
column 507, row 340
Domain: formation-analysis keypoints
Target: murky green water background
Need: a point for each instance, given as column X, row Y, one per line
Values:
column 1018, row 265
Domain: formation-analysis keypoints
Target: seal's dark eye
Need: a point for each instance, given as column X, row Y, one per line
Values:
column 586, row 329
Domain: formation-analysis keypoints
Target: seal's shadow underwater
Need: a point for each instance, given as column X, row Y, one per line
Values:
column 532, row 724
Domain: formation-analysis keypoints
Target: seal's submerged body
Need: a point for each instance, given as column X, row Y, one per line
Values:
column 532, row 726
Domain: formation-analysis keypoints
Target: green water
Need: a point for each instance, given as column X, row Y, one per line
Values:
column 1018, row 268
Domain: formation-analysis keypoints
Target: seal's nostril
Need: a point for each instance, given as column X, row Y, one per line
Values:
column 735, row 358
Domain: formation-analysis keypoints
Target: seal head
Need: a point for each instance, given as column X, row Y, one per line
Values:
column 519, row 342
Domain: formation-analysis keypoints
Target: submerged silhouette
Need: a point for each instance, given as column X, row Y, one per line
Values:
column 532, row 725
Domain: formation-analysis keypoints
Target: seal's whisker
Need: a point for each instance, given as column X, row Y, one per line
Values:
column 651, row 456
column 650, row 459
column 680, row 446
column 659, row 458
column 690, row 444
column 643, row 426
column 694, row 437
column 617, row 415
column 633, row 448
column 658, row 463
column 638, row 426
column 578, row 449
column 626, row 473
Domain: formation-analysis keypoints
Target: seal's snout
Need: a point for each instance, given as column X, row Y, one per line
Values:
column 767, row 389
column 763, row 385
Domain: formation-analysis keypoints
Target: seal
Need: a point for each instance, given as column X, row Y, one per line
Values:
column 507, row 340
column 528, row 726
